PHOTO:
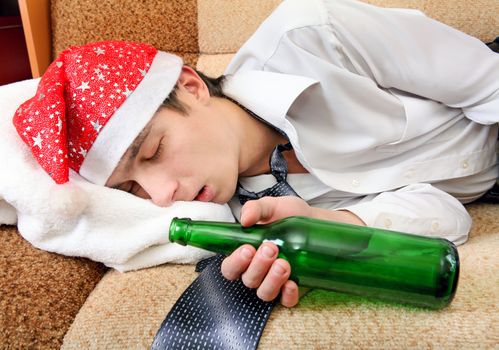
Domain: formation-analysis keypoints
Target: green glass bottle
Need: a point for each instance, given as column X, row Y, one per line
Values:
column 388, row 265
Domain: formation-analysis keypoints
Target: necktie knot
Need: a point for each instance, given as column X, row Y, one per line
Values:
column 279, row 169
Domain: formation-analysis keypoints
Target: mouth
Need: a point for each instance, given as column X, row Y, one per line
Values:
column 205, row 195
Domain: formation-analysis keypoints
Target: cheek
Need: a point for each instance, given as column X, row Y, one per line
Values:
column 178, row 162
column 190, row 148
column 199, row 149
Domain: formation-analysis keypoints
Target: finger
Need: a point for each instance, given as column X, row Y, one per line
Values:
column 257, row 211
column 236, row 263
column 289, row 294
column 275, row 279
column 260, row 265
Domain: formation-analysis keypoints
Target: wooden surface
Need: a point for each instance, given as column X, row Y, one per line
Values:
column 35, row 16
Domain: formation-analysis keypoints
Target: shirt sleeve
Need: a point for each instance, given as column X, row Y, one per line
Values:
column 419, row 209
column 411, row 52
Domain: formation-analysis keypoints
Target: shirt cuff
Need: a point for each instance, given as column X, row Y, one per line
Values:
column 388, row 217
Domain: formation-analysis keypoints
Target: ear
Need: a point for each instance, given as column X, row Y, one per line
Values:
column 192, row 83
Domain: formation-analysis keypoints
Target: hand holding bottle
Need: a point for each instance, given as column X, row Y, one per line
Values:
column 261, row 268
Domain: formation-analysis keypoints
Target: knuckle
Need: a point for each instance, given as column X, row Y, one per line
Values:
column 289, row 297
column 233, row 266
column 264, row 294
column 250, row 281
column 228, row 272
column 229, row 275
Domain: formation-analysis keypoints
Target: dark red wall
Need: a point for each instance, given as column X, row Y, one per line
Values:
column 14, row 63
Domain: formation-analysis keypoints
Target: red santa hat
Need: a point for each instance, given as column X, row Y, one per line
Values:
column 91, row 104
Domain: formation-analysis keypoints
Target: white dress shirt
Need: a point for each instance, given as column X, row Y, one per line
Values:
column 387, row 109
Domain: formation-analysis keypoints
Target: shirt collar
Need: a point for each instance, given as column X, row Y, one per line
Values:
column 267, row 94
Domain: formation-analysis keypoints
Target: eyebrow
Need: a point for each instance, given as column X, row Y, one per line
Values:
column 136, row 144
column 134, row 150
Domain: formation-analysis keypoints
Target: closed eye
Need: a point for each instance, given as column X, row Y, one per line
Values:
column 158, row 152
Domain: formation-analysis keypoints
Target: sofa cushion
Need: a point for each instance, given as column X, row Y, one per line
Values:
column 167, row 25
column 215, row 27
column 41, row 292
column 126, row 310
column 207, row 33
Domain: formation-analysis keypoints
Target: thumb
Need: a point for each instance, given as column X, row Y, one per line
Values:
column 257, row 211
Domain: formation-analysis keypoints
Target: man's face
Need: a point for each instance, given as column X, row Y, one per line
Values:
column 181, row 157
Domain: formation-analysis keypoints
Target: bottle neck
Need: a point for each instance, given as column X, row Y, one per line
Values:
column 180, row 231
column 220, row 237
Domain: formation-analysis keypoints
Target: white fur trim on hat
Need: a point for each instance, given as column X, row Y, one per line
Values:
column 129, row 120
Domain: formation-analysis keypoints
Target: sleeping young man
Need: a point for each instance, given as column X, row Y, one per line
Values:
column 346, row 111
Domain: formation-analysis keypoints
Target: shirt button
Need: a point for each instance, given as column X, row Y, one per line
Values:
column 388, row 223
column 355, row 183
column 435, row 226
column 409, row 174
column 465, row 164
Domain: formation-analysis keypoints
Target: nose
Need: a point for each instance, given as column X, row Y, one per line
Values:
column 160, row 192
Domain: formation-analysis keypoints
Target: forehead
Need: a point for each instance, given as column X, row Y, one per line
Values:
column 131, row 153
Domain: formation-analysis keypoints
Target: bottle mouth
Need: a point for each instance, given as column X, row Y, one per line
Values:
column 453, row 259
column 180, row 230
column 449, row 276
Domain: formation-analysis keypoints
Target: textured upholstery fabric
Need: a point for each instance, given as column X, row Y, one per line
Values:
column 167, row 25
column 216, row 27
column 125, row 310
column 42, row 292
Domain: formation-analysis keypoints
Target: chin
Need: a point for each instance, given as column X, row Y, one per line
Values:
column 219, row 200
column 225, row 193
column 223, row 198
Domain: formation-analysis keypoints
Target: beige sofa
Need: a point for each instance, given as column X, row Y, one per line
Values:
column 49, row 300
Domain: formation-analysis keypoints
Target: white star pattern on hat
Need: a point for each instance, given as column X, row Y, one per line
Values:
column 127, row 92
column 96, row 125
column 99, row 51
column 37, row 141
column 82, row 152
column 83, row 86
column 59, row 125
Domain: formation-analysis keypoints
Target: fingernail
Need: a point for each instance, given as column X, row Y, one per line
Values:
column 246, row 253
column 267, row 251
column 278, row 269
column 290, row 290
